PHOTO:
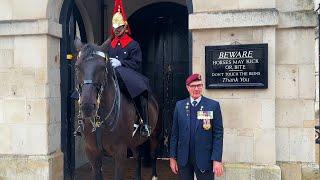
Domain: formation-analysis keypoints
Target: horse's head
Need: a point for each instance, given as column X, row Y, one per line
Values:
column 91, row 76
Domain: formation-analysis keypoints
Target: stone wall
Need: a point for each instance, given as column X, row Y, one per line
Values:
column 249, row 115
column 30, row 122
column 295, row 95
column 316, row 55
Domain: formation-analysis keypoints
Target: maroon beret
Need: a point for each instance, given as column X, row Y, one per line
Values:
column 193, row 77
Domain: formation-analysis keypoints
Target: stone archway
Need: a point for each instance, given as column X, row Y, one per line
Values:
column 86, row 20
column 53, row 9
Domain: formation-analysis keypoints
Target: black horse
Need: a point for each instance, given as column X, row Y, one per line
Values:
column 107, row 116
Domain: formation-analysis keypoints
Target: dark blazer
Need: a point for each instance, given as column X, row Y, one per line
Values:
column 208, row 143
column 130, row 58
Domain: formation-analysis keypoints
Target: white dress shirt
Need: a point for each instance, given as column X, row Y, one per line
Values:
column 197, row 100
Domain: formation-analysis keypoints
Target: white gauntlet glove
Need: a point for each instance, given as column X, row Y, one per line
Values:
column 115, row 62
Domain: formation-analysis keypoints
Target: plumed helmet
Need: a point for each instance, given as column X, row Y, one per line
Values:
column 119, row 17
column 117, row 20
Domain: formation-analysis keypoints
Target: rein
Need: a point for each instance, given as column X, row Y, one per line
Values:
column 96, row 121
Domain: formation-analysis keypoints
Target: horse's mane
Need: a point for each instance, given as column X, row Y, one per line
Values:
column 88, row 50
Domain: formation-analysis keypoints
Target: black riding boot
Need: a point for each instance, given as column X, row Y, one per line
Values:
column 141, row 103
column 145, row 129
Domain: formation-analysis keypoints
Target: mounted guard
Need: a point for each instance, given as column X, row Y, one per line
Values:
column 106, row 115
column 126, row 57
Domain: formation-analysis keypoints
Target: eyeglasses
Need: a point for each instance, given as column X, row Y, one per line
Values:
column 196, row 86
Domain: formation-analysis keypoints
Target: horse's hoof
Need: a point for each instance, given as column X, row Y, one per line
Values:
column 154, row 178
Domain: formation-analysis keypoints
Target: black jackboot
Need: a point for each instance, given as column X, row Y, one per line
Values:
column 145, row 129
column 141, row 103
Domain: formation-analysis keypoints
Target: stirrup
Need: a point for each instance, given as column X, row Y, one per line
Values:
column 145, row 130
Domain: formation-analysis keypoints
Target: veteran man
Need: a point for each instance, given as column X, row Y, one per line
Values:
column 197, row 135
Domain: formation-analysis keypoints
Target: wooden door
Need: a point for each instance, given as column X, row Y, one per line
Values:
column 162, row 31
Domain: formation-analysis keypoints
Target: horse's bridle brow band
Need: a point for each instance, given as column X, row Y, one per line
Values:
column 99, row 53
column 87, row 81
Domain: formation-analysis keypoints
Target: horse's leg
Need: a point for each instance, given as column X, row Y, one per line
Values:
column 95, row 159
column 137, row 156
column 153, row 148
column 154, row 166
column 97, row 169
column 119, row 162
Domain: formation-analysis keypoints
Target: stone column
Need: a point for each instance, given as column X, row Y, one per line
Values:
column 295, row 90
column 30, row 122
column 317, row 85
column 253, row 141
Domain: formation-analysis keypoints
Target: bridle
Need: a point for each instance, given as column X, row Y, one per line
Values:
column 96, row 121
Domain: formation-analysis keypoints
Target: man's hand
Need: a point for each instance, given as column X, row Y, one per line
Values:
column 173, row 165
column 217, row 168
column 115, row 62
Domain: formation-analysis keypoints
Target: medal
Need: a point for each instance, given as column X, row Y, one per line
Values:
column 206, row 124
column 187, row 109
column 205, row 116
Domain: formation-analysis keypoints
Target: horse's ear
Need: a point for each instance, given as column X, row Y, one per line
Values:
column 78, row 44
column 106, row 44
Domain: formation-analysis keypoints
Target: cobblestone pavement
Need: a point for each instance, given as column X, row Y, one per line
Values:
column 164, row 172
